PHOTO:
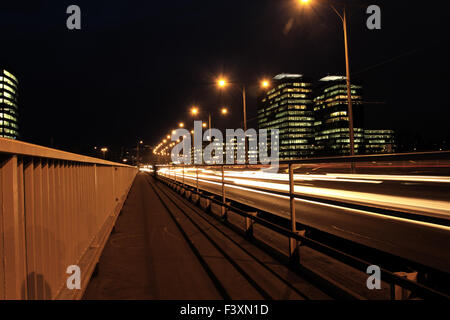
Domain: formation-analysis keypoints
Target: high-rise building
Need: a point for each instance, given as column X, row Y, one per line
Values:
column 379, row 141
column 332, row 122
column 288, row 107
column 9, row 126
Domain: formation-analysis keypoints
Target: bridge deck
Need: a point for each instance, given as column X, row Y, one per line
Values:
column 165, row 248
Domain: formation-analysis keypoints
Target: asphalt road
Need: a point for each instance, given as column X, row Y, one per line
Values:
column 355, row 207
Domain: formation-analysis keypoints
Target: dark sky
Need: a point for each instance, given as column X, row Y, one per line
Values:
column 136, row 66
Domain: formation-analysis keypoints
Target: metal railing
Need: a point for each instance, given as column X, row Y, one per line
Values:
column 56, row 210
column 297, row 238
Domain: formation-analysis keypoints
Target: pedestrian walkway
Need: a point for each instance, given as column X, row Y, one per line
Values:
column 163, row 247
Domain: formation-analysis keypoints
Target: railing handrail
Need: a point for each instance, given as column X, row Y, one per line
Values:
column 9, row 146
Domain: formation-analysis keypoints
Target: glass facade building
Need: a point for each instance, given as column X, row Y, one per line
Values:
column 9, row 127
column 332, row 123
column 379, row 141
column 288, row 107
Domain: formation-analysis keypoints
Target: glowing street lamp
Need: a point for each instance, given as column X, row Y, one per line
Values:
column 221, row 83
column 224, row 111
column 194, row 111
column 104, row 150
column 265, row 84
column 181, row 125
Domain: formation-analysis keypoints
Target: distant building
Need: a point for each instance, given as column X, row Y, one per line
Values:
column 9, row 124
column 288, row 107
column 331, row 119
column 379, row 141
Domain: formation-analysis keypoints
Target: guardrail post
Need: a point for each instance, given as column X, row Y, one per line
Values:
column 249, row 222
column 224, row 209
column 294, row 254
column 399, row 293
column 196, row 171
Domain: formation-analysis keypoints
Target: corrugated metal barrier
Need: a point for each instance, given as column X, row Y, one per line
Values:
column 56, row 210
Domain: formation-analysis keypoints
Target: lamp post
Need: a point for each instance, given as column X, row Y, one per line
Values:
column 104, row 150
column 343, row 18
column 222, row 83
column 137, row 151
column 195, row 111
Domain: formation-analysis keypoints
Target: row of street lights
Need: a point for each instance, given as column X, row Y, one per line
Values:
column 223, row 83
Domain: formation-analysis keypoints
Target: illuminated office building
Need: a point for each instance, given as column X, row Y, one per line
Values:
column 9, row 127
column 379, row 141
column 332, row 122
column 288, row 107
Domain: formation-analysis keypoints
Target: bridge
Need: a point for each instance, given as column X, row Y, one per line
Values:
column 311, row 230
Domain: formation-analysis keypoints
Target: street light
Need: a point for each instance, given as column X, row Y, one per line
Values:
column 137, row 151
column 195, row 111
column 104, row 150
column 265, row 83
column 343, row 18
column 222, row 83
column 181, row 125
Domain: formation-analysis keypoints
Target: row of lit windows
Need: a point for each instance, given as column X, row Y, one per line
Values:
column 298, row 135
column 10, row 75
column 332, row 120
column 333, row 93
column 321, row 105
column 379, row 131
column 7, row 95
column 339, row 113
column 295, row 113
column 297, row 147
column 340, row 130
column 8, row 102
column 5, row 86
column 7, row 117
column 337, row 86
column 296, row 101
column 9, row 131
column 295, row 141
column 8, row 123
column 8, row 136
column 339, row 97
column 379, row 136
column 295, row 130
column 335, row 136
column 8, row 81
column 379, row 141
column 291, row 95
column 294, row 84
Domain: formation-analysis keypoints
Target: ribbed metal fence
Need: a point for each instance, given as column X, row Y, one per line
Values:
column 56, row 210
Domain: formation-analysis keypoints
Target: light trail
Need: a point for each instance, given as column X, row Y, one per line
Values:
column 416, row 205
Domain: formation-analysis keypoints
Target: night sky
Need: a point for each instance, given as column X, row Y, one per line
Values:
column 135, row 67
